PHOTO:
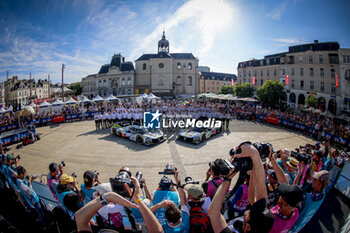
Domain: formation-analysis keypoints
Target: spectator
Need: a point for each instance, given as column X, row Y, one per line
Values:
column 272, row 187
column 258, row 218
column 240, row 201
column 68, row 194
column 10, row 171
column 88, row 188
column 53, row 177
column 311, row 201
column 165, row 191
column 210, row 186
column 289, row 167
column 31, row 198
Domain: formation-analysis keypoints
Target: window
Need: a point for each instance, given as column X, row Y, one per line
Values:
column 311, row 85
column 322, row 86
column 249, row 73
column 302, row 84
column 321, row 58
column 261, row 73
column 123, row 81
column 283, row 72
column 322, row 72
column 160, row 82
column 268, row 73
column 301, row 59
column 161, row 65
column 240, row 74
column 332, row 73
column 293, row 83
column 144, row 67
column 293, row 71
column 301, row 71
column 347, row 75
column 243, row 80
column 178, row 80
column 274, row 72
column 178, row 65
column 255, row 73
column 189, row 66
column 311, row 71
column 261, row 82
column 310, row 58
column 129, row 81
column 333, row 87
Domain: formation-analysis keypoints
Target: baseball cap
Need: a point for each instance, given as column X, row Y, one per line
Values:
column 104, row 188
column 10, row 156
column 261, row 219
column 293, row 162
column 292, row 194
column 194, row 190
column 65, row 179
column 165, row 183
column 322, row 176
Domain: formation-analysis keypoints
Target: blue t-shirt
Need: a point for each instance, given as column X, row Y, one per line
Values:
column 183, row 226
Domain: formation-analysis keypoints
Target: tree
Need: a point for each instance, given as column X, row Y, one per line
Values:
column 312, row 101
column 244, row 90
column 270, row 92
column 227, row 90
column 76, row 88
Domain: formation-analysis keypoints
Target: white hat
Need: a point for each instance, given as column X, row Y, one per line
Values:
column 104, row 188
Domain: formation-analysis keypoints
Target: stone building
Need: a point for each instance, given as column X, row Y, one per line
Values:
column 213, row 82
column 116, row 78
column 165, row 73
column 312, row 69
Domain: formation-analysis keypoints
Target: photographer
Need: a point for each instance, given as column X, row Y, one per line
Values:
column 165, row 191
column 289, row 166
column 11, row 171
column 68, row 194
column 53, row 177
column 30, row 197
column 311, row 201
column 210, row 186
column 89, row 187
column 240, row 202
column 258, row 218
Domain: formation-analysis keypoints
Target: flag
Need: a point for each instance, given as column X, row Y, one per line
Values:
column 36, row 104
column 233, row 82
column 287, row 79
column 336, row 80
column 253, row 80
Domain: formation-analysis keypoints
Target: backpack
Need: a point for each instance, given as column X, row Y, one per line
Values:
column 199, row 221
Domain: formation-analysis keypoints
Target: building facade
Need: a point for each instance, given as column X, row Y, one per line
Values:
column 165, row 73
column 116, row 78
column 2, row 95
column 312, row 69
column 24, row 91
column 213, row 82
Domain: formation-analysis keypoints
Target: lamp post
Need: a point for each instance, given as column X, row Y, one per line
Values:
column 63, row 66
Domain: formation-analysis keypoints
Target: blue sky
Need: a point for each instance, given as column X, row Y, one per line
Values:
column 37, row 36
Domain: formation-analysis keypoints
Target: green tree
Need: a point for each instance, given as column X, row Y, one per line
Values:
column 76, row 88
column 311, row 101
column 244, row 90
column 270, row 92
column 227, row 90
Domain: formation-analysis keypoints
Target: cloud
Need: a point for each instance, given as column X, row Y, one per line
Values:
column 277, row 12
column 289, row 40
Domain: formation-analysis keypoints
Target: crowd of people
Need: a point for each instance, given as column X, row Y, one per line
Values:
column 276, row 191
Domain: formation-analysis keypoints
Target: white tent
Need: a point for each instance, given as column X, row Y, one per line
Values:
column 71, row 101
column 144, row 95
column 84, row 100
column 2, row 110
column 112, row 98
column 44, row 107
column 9, row 109
column 57, row 105
column 98, row 98
column 152, row 98
column 141, row 97
column 32, row 105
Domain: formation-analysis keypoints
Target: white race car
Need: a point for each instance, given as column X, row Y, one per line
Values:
column 197, row 135
column 138, row 134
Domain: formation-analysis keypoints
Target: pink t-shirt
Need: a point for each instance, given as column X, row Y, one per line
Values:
column 283, row 225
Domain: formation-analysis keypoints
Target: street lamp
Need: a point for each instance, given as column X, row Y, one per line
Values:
column 63, row 66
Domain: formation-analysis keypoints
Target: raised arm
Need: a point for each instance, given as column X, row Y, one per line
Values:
column 183, row 198
column 281, row 177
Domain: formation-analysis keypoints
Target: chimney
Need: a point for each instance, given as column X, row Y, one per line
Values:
column 316, row 41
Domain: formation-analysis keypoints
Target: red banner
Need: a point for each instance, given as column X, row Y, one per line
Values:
column 336, row 80
column 287, row 79
column 233, row 82
column 58, row 119
column 273, row 120
column 253, row 81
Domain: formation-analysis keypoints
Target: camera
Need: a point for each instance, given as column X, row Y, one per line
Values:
column 62, row 164
column 246, row 164
column 96, row 173
column 223, row 165
column 301, row 157
column 138, row 176
column 74, row 175
column 18, row 157
column 117, row 183
column 169, row 170
column 189, row 180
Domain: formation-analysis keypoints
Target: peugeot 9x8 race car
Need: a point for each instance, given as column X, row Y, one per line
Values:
column 197, row 135
column 138, row 134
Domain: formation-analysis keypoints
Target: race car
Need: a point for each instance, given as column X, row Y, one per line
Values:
column 138, row 134
column 197, row 135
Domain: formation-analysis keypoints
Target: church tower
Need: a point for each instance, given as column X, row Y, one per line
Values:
column 163, row 45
